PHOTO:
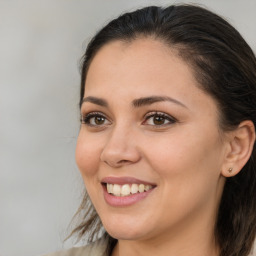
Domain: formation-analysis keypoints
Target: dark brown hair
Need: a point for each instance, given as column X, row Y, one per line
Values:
column 225, row 67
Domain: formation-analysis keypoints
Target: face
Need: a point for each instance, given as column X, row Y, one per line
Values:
column 152, row 135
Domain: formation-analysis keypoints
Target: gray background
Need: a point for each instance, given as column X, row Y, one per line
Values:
column 41, row 43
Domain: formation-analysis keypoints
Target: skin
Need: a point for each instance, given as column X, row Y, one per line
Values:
column 184, row 158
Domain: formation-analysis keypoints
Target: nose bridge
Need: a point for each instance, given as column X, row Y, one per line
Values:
column 120, row 133
column 120, row 147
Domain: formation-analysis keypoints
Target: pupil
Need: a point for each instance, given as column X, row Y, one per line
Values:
column 99, row 120
column 158, row 120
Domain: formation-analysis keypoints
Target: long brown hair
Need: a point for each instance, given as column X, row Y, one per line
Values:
column 225, row 67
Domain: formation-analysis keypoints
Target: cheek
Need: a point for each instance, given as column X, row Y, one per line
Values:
column 188, row 169
column 184, row 154
column 87, row 155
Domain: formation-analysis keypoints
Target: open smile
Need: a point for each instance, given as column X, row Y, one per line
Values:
column 125, row 191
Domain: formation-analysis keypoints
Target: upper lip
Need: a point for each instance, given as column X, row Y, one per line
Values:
column 125, row 180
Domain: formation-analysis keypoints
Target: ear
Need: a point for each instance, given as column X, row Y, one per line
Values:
column 240, row 146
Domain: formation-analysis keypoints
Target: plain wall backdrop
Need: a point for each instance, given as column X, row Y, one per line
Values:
column 41, row 43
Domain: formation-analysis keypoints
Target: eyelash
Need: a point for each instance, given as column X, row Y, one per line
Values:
column 171, row 120
column 87, row 118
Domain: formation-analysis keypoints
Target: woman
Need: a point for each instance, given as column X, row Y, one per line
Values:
column 166, row 146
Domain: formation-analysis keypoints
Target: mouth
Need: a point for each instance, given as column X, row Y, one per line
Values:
column 124, row 191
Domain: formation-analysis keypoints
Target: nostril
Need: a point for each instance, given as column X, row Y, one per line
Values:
column 123, row 161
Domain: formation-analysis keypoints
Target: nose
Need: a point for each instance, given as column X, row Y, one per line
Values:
column 120, row 148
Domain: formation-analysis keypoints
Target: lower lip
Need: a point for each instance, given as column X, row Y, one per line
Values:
column 124, row 200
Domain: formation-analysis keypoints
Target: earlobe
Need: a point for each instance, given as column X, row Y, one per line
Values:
column 241, row 144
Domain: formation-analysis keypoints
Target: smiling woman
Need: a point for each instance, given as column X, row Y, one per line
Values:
column 166, row 146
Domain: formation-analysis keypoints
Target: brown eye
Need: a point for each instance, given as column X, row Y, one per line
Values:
column 95, row 119
column 99, row 120
column 158, row 120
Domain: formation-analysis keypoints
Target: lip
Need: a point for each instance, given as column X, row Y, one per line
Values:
column 123, row 201
column 125, row 180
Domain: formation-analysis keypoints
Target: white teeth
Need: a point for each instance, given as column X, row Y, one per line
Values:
column 134, row 188
column 110, row 188
column 141, row 188
column 125, row 190
column 117, row 190
column 147, row 187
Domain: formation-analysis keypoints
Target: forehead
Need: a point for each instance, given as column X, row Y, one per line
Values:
column 141, row 49
column 144, row 61
column 143, row 58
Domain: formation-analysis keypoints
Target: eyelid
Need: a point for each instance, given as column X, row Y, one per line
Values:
column 160, row 113
column 168, row 117
column 85, row 117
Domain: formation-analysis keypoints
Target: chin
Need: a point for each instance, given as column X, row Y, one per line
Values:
column 120, row 234
column 124, row 230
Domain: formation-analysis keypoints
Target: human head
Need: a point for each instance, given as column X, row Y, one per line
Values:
column 224, row 66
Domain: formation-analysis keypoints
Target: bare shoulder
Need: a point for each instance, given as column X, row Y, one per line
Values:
column 93, row 249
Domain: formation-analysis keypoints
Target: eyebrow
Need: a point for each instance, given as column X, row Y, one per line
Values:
column 135, row 103
column 95, row 100
column 153, row 99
